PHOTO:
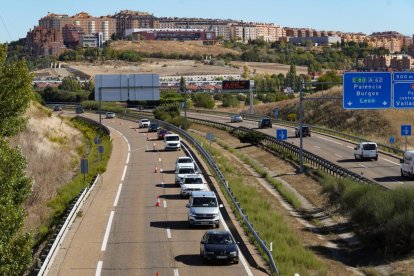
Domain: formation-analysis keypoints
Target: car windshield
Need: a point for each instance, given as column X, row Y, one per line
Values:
column 144, row 121
column 193, row 180
column 220, row 239
column 186, row 170
column 172, row 138
column 369, row 147
column 204, row 202
column 153, row 126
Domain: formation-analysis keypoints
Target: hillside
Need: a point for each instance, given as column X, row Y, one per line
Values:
column 50, row 145
column 171, row 47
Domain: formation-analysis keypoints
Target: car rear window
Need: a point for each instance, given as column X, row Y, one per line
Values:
column 186, row 170
column 185, row 160
column 370, row 147
column 191, row 180
column 172, row 138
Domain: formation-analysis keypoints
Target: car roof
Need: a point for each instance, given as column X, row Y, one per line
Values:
column 366, row 143
column 192, row 175
column 172, row 134
column 184, row 157
column 203, row 194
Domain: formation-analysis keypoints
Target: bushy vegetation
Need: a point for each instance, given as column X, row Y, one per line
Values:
column 171, row 114
column 203, row 100
column 291, row 257
column 383, row 219
column 15, row 186
column 250, row 137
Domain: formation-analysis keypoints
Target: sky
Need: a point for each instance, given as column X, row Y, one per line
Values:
column 19, row 16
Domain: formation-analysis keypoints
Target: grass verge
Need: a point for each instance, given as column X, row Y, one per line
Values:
column 96, row 164
column 289, row 254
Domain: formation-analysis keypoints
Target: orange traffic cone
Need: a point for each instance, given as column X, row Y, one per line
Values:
column 156, row 169
column 156, row 274
column 158, row 202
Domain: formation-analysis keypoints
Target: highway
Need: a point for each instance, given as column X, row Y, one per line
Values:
column 123, row 232
column 385, row 171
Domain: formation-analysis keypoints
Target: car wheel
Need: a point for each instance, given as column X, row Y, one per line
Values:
column 236, row 261
column 402, row 174
column 355, row 157
column 376, row 158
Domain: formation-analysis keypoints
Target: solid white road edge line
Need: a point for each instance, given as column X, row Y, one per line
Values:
column 242, row 259
column 118, row 194
column 108, row 229
column 168, row 233
column 99, row 268
column 123, row 174
column 390, row 161
column 127, row 161
column 176, row 272
column 396, row 180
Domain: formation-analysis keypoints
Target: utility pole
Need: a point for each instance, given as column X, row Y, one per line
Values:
column 300, row 125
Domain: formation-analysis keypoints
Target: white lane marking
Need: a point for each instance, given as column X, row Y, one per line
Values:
column 362, row 166
column 99, row 268
column 145, row 147
column 129, row 154
column 338, row 155
column 168, row 233
column 129, row 147
column 390, row 161
column 108, row 229
column 317, row 147
column 164, row 203
column 123, row 174
column 350, row 147
column 397, row 181
column 176, row 272
column 118, row 194
column 323, row 138
column 242, row 259
column 159, row 159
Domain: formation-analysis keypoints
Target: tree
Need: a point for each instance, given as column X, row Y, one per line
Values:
column 70, row 84
column 292, row 78
column 15, row 187
column 183, row 85
column 330, row 76
column 246, row 72
column 203, row 100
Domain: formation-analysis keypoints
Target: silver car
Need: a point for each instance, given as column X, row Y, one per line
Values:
column 236, row 118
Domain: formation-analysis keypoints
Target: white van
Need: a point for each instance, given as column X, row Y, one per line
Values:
column 366, row 150
column 172, row 142
column 203, row 209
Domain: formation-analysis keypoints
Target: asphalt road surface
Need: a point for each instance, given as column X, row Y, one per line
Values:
column 123, row 232
column 385, row 171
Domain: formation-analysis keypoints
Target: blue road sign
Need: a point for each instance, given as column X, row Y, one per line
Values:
column 392, row 139
column 403, row 95
column 276, row 112
column 405, row 130
column 403, row 76
column 281, row 134
column 367, row 90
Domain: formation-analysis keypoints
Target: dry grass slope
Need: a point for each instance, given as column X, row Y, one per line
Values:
column 49, row 144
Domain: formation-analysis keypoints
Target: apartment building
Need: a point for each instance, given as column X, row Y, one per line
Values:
column 172, row 34
column 71, row 34
column 128, row 19
column 42, row 41
column 388, row 63
column 88, row 23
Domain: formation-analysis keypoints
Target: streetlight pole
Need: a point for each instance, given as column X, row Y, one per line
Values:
column 300, row 125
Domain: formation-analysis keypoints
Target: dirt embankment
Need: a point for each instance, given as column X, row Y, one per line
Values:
column 49, row 143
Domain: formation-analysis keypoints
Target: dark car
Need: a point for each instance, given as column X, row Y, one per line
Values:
column 306, row 131
column 79, row 110
column 57, row 107
column 161, row 133
column 219, row 245
column 153, row 127
column 265, row 122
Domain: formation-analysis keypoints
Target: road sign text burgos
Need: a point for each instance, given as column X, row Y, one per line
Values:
column 236, row 85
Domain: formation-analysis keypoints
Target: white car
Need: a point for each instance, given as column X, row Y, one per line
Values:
column 143, row 123
column 109, row 115
column 191, row 183
column 184, row 162
column 181, row 172
column 366, row 150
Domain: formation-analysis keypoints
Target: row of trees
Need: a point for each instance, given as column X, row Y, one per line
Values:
column 15, row 186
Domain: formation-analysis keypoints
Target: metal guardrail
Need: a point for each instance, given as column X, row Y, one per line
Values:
column 335, row 133
column 222, row 181
column 52, row 248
